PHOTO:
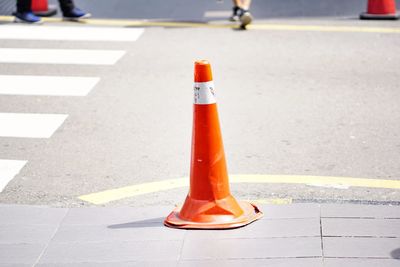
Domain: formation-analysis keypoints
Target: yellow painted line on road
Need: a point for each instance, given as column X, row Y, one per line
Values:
column 134, row 190
column 134, row 23
column 324, row 28
column 153, row 187
column 255, row 26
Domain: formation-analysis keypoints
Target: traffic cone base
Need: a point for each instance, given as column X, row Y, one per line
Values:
column 214, row 215
column 366, row 15
column 51, row 11
column 380, row 10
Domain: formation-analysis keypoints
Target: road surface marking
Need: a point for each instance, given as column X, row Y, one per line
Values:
column 152, row 187
column 60, row 56
column 8, row 170
column 46, row 85
column 65, row 33
column 134, row 190
column 30, row 125
column 255, row 26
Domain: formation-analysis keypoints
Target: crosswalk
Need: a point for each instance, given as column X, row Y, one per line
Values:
column 46, row 85
column 65, row 33
column 60, row 56
column 8, row 169
column 37, row 125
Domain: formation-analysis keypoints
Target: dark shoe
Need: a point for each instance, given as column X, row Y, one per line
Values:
column 76, row 14
column 27, row 17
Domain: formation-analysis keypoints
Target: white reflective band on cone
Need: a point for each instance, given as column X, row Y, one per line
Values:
column 204, row 93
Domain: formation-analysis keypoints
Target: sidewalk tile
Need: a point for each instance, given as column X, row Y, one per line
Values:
column 15, row 265
column 116, row 215
column 198, row 249
column 306, row 227
column 110, row 251
column 361, row 227
column 361, row 247
column 288, row 262
column 290, row 211
column 361, row 262
column 114, row 233
column 30, row 215
column 20, row 253
column 16, row 234
column 359, row 211
column 154, row 263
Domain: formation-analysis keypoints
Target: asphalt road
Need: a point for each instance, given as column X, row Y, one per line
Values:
column 291, row 102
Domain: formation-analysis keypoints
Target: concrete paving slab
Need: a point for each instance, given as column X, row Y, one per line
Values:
column 360, row 211
column 117, row 215
column 77, row 252
column 32, row 234
column 20, row 253
column 290, row 211
column 30, row 215
column 290, row 262
column 106, row 233
column 360, row 227
column 144, row 241
column 197, row 249
column 15, row 265
column 113, row 264
column 351, row 247
column 361, row 262
column 305, row 227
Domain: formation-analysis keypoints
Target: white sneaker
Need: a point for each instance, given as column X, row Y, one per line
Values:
column 245, row 19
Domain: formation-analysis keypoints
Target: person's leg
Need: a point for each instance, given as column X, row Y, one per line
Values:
column 66, row 6
column 235, row 10
column 24, row 6
column 244, row 14
column 237, row 3
column 246, row 4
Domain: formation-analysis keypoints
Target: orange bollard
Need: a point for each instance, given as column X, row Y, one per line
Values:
column 380, row 9
column 42, row 9
column 209, row 204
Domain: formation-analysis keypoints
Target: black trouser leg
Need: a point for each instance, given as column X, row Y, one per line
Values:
column 24, row 5
column 66, row 5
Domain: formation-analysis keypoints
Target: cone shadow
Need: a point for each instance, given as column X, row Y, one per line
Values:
column 155, row 222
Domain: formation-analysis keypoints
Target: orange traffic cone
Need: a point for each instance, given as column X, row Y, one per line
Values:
column 380, row 9
column 42, row 9
column 209, row 204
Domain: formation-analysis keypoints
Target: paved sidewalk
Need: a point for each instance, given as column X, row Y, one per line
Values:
column 288, row 235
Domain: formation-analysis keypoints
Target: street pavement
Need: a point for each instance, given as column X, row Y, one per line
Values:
column 308, row 96
column 292, row 101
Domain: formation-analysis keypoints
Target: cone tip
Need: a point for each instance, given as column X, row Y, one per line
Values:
column 202, row 71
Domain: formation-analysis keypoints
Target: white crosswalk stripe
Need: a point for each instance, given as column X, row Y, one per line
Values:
column 36, row 125
column 8, row 169
column 46, row 85
column 30, row 125
column 64, row 33
column 60, row 56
